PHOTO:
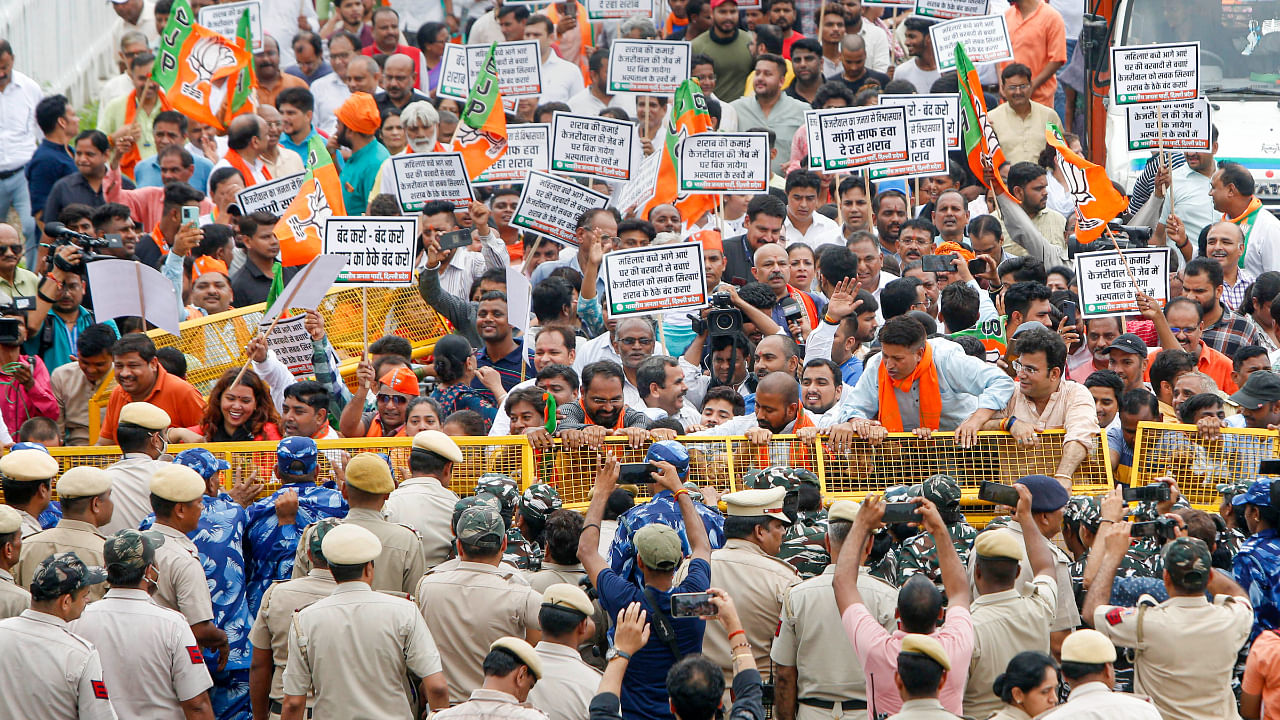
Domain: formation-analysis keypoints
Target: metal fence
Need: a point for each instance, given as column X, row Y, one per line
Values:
column 65, row 45
column 1197, row 463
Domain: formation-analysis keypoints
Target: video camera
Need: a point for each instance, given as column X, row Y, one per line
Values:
column 1126, row 237
column 86, row 243
column 13, row 313
column 722, row 320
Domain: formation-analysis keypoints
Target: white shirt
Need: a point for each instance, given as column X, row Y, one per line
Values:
column 911, row 72
column 115, row 87
column 1262, row 253
column 1072, row 12
column 822, row 231
column 1095, row 701
column 146, row 25
column 280, row 21
column 486, row 30
column 256, row 167
column 561, row 80
column 877, row 43
column 415, row 12
column 329, row 92
column 885, row 279
column 584, row 103
column 130, row 491
column 19, row 134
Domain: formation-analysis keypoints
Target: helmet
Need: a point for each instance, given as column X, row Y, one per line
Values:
column 672, row 452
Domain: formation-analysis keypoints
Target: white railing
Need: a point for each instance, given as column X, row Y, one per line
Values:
column 65, row 45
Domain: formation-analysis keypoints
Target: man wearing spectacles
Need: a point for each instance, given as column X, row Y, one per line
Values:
column 1019, row 121
column 1179, row 329
column 394, row 391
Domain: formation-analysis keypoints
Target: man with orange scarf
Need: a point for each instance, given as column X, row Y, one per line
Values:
column 1232, row 189
column 135, row 112
column 778, row 412
column 602, row 410
column 773, row 268
column 920, row 385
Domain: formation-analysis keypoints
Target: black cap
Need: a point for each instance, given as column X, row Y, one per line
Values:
column 1129, row 343
column 1262, row 387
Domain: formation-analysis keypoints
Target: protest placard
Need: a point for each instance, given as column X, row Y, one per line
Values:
column 618, row 9
column 813, row 131
column 656, row 67
column 127, row 288
column 291, row 343
column 904, row 4
column 224, row 18
column 307, row 288
column 852, row 137
column 639, row 190
column 550, row 206
column 272, row 196
column 948, row 9
column 528, row 149
column 1155, row 73
column 713, row 163
column 591, row 146
column 379, row 250
column 1173, row 126
column 938, row 105
column 423, row 177
column 519, row 68
column 1106, row 289
column 928, row 152
column 655, row 279
column 985, row 39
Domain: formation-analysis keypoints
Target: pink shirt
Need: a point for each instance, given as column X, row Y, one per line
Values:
column 878, row 650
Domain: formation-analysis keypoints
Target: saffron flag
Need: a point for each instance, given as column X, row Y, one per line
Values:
column 301, row 227
column 242, row 98
column 980, row 142
column 689, row 116
column 482, row 131
column 1097, row 200
column 197, row 67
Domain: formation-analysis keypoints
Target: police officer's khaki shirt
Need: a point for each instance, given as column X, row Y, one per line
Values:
column 551, row 574
column 567, row 684
column 181, row 584
column 397, row 569
column 149, row 656
column 30, row 525
column 275, row 614
column 812, row 639
column 929, row 709
column 485, row 704
column 1005, row 624
column 76, row 536
column 503, row 565
column 1066, row 615
column 46, row 671
column 355, row 649
column 1009, row 712
column 425, row 505
column 13, row 599
column 130, row 491
column 1187, row 651
column 757, row 582
column 1095, row 701
column 494, row 602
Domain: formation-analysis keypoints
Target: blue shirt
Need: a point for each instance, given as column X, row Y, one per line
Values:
column 661, row 509
column 358, row 176
column 299, row 148
column 50, row 163
column 508, row 367
column 147, row 172
column 61, row 340
column 269, row 547
column 1257, row 569
column 851, row 370
column 644, row 687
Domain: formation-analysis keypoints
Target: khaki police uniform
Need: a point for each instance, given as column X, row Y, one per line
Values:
column 1009, row 712
column 485, row 704
column 1096, row 701
column 30, row 525
column 131, row 491
column 926, row 709
column 758, row 583
column 1184, row 651
column 181, row 584
column 1005, row 624
column 1066, row 615
column 397, row 569
column 495, row 603
column 13, row 599
column 551, row 573
column 425, row 505
column 503, row 565
column 76, row 536
column 275, row 614
column 46, row 671
column 829, row 679
column 567, row 684
column 149, row 656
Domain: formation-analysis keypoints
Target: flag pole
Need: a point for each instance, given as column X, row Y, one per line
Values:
column 1164, row 154
column 840, row 206
column 142, row 298
column 276, row 321
column 364, row 312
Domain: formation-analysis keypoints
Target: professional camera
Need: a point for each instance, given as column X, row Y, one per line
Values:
column 1137, row 235
column 87, row 244
column 13, row 314
column 724, row 318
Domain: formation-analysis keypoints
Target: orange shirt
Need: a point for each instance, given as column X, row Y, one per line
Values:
column 1038, row 39
column 1262, row 671
column 268, row 97
column 1212, row 363
column 175, row 396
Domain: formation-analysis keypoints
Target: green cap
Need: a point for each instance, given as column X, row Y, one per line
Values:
column 1083, row 510
column 658, row 546
column 131, row 549
column 775, row 476
column 318, row 531
column 1188, row 562
column 61, row 574
column 502, row 487
column 806, row 476
column 1231, row 489
column 942, row 490
column 539, row 501
column 481, row 526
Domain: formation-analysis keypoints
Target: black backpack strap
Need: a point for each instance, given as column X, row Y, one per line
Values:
column 661, row 624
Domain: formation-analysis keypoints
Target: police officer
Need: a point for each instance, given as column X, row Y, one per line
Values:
column 922, row 668
column 1255, row 565
column 150, row 658
column 747, row 568
column 567, row 684
column 817, row 674
column 143, row 437
column 355, row 648
column 536, row 503
column 802, row 546
column 13, row 598
column 425, row 501
column 918, row 555
column 28, row 485
column 495, row 602
column 176, row 493
column 401, row 565
column 85, row 494
column 1087, row 659
column 45, row 669
column 519, row 552
column 511, row 669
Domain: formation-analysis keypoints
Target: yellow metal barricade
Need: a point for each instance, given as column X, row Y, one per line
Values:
column 1197, row 463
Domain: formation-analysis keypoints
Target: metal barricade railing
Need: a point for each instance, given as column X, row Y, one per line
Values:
column 1197, row 463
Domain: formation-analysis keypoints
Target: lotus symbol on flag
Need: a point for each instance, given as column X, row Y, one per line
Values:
column 497, row 144
column 1078, row 188
column 319, row 213
column 208, row 55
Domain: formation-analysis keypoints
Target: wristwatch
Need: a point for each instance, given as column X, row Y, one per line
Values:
column 615, row 653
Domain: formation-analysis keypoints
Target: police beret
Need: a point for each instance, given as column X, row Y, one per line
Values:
column 145, row 415
column 570, row 597
column 843, row 511
column 368, row 472
column 177, row 483
column 28, row 466
column 754, row 503
column 84, row 481
column 1089, row 647
column 998, row 544
column 10, row 520
column 434, row 441
column 522, row 650
column 350, row 544
column 1047, row 494
column 928, row 647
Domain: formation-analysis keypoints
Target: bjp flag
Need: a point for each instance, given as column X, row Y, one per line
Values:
column 482, row 131
column 1097, row 200
column 197, row 67
column 689, row 116
column 981, row 145
column 301, row 228
column 242, row 99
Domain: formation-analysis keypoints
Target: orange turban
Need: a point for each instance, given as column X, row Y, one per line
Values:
column 951, row 247
column 208, row 264
column 360, row 114
column 710, row 239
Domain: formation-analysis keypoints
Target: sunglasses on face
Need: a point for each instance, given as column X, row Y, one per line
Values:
column 397, row 399
column 10, row 250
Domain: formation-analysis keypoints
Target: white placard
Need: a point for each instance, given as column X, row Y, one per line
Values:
column 518, row 298
column 813, row 132
column 379, row 250
column 948, row 9
column 853, row 137
column 713, row 163
column 224, row 18
column 928, row 148
column 528, row 149
column 618, row 9
column 519, row 69
column 985, row 39
column 127, row 288
column 637, row 192
column 272, row 196
column 654, row 67
column 592, row 146
column 423, row 177
column 655, row 279
column 907, row 4
column 1155, row 73
column 292, row 344
column 1175, row 126
column 939, row 105
column 1105, row 287
column 307, row 288
column 550, row 206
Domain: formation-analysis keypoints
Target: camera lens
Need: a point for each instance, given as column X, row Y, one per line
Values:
column 723, row 322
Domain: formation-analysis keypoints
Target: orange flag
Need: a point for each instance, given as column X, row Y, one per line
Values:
column 689, row 116
column 1097, row 200
column 482, row 131
column 301, row 228
column 197, row 68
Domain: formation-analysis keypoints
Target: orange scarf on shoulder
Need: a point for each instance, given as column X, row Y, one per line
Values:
column 930, row 394
column 586, row 416
column 130, row 160
column 800, row 455
column 246, row 172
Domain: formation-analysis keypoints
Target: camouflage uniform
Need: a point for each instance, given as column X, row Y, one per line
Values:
column 1087, row 511
column 520, row 552
column 537, row 502
column 1228, row 537
column 802, row 542
column 887, row 568
column 918, row 554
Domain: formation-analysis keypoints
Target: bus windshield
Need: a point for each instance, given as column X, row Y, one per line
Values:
column 1239, row 41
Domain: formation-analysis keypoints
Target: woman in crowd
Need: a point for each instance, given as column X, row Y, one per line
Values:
column 241, row 412
column 423, row 413
column 392, row 132
column 455, row 366
column 1028, row 686
column 803, row 266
